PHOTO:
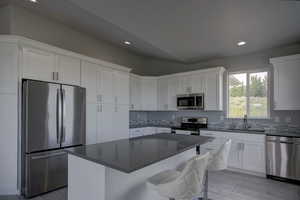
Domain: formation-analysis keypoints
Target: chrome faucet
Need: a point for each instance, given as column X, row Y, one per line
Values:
column 245, row 125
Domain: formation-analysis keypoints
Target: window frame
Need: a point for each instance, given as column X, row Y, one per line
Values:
column 248, row 72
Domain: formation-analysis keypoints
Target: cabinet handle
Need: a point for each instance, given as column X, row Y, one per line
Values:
column 53, row 76
column 57, row 76
column 99, row 98
column 99, row 108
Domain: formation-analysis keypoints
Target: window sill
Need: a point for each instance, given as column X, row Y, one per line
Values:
column 249, row 118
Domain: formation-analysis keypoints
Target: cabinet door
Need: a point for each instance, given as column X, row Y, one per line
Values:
column 212, row 97
column 68, row 70
column 198, row 83
column 235, row 155
column 121, row 88
column 162, row 94
column 38, row 64
column 172, row 93
column 8, row 68
column 91, row 123
column 105, row 119
column 254, row 157
column 149, row 94
column 89, row 80
column 135, row 93
column 121, row 116
column 106, row 88
column 286, row 86
column 185, row 84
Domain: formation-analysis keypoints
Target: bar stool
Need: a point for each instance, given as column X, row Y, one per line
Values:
column 182, row 185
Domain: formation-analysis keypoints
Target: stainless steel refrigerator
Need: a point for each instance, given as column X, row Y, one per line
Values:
column 53, row 118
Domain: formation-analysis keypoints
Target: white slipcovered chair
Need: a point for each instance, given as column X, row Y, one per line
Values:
column 182, row 185
column 219, row 160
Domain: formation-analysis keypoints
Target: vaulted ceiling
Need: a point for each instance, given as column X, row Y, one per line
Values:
column 181, row 30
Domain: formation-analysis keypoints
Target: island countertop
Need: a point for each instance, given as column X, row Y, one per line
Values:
column 128, row 155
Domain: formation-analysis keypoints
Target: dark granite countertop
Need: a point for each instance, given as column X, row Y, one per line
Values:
column 267, row 132
column 149, row 125
column 128, row 155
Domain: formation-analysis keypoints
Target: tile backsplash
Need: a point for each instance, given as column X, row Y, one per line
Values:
column 280, row 120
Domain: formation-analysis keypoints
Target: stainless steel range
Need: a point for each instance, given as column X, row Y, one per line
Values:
column 53, row 117
column 190, row 125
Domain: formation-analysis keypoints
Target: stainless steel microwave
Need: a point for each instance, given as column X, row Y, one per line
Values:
column 190, row 101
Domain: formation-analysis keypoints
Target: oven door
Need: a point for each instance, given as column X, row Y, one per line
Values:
column 186, row 102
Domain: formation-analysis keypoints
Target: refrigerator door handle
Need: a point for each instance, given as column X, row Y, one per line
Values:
column 58, row 116
column 63, row 136
column 48, row 156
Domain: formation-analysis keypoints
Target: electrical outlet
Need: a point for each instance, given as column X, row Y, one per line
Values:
column 173, row 117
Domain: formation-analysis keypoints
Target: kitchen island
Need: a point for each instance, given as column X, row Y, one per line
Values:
column 118, row 170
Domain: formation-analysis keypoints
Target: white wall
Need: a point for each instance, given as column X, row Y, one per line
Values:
column 5, row 14
column 8, row 118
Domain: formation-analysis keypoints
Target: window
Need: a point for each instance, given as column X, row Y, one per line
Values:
column 248, row 94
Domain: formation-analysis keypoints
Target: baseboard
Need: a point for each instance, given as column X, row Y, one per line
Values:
column 247, row 172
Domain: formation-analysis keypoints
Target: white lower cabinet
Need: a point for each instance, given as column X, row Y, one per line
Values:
column 247, row 151
column 254, row 157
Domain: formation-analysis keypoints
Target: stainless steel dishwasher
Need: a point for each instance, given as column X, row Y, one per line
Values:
column 283, row 158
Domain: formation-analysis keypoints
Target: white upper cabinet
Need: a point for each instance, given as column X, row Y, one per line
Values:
column 8, row 68
column 213, row 95
column 185, row 84
column 172, row 92
column 121, row 88
column 89, row 80
column 47, row 66
column 135, row 93
column 149, row 93
column 286, row 82
column 198, row 83
column 39, row 64
column 105, row 86
column 162, row 94
column 68, row 69
column 166, row 88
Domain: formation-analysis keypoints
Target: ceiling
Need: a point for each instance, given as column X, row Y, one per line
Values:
column 181, row 30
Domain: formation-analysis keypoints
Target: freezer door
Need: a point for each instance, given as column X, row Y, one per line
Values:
column 73, row 113
column 41, row 117
column 45, row 172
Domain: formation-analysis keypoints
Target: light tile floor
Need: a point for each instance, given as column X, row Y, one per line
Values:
column 223, row 186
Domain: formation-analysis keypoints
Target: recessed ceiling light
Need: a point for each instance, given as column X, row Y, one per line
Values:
column 241, row 43
column 33, row 1
column 127, row 42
